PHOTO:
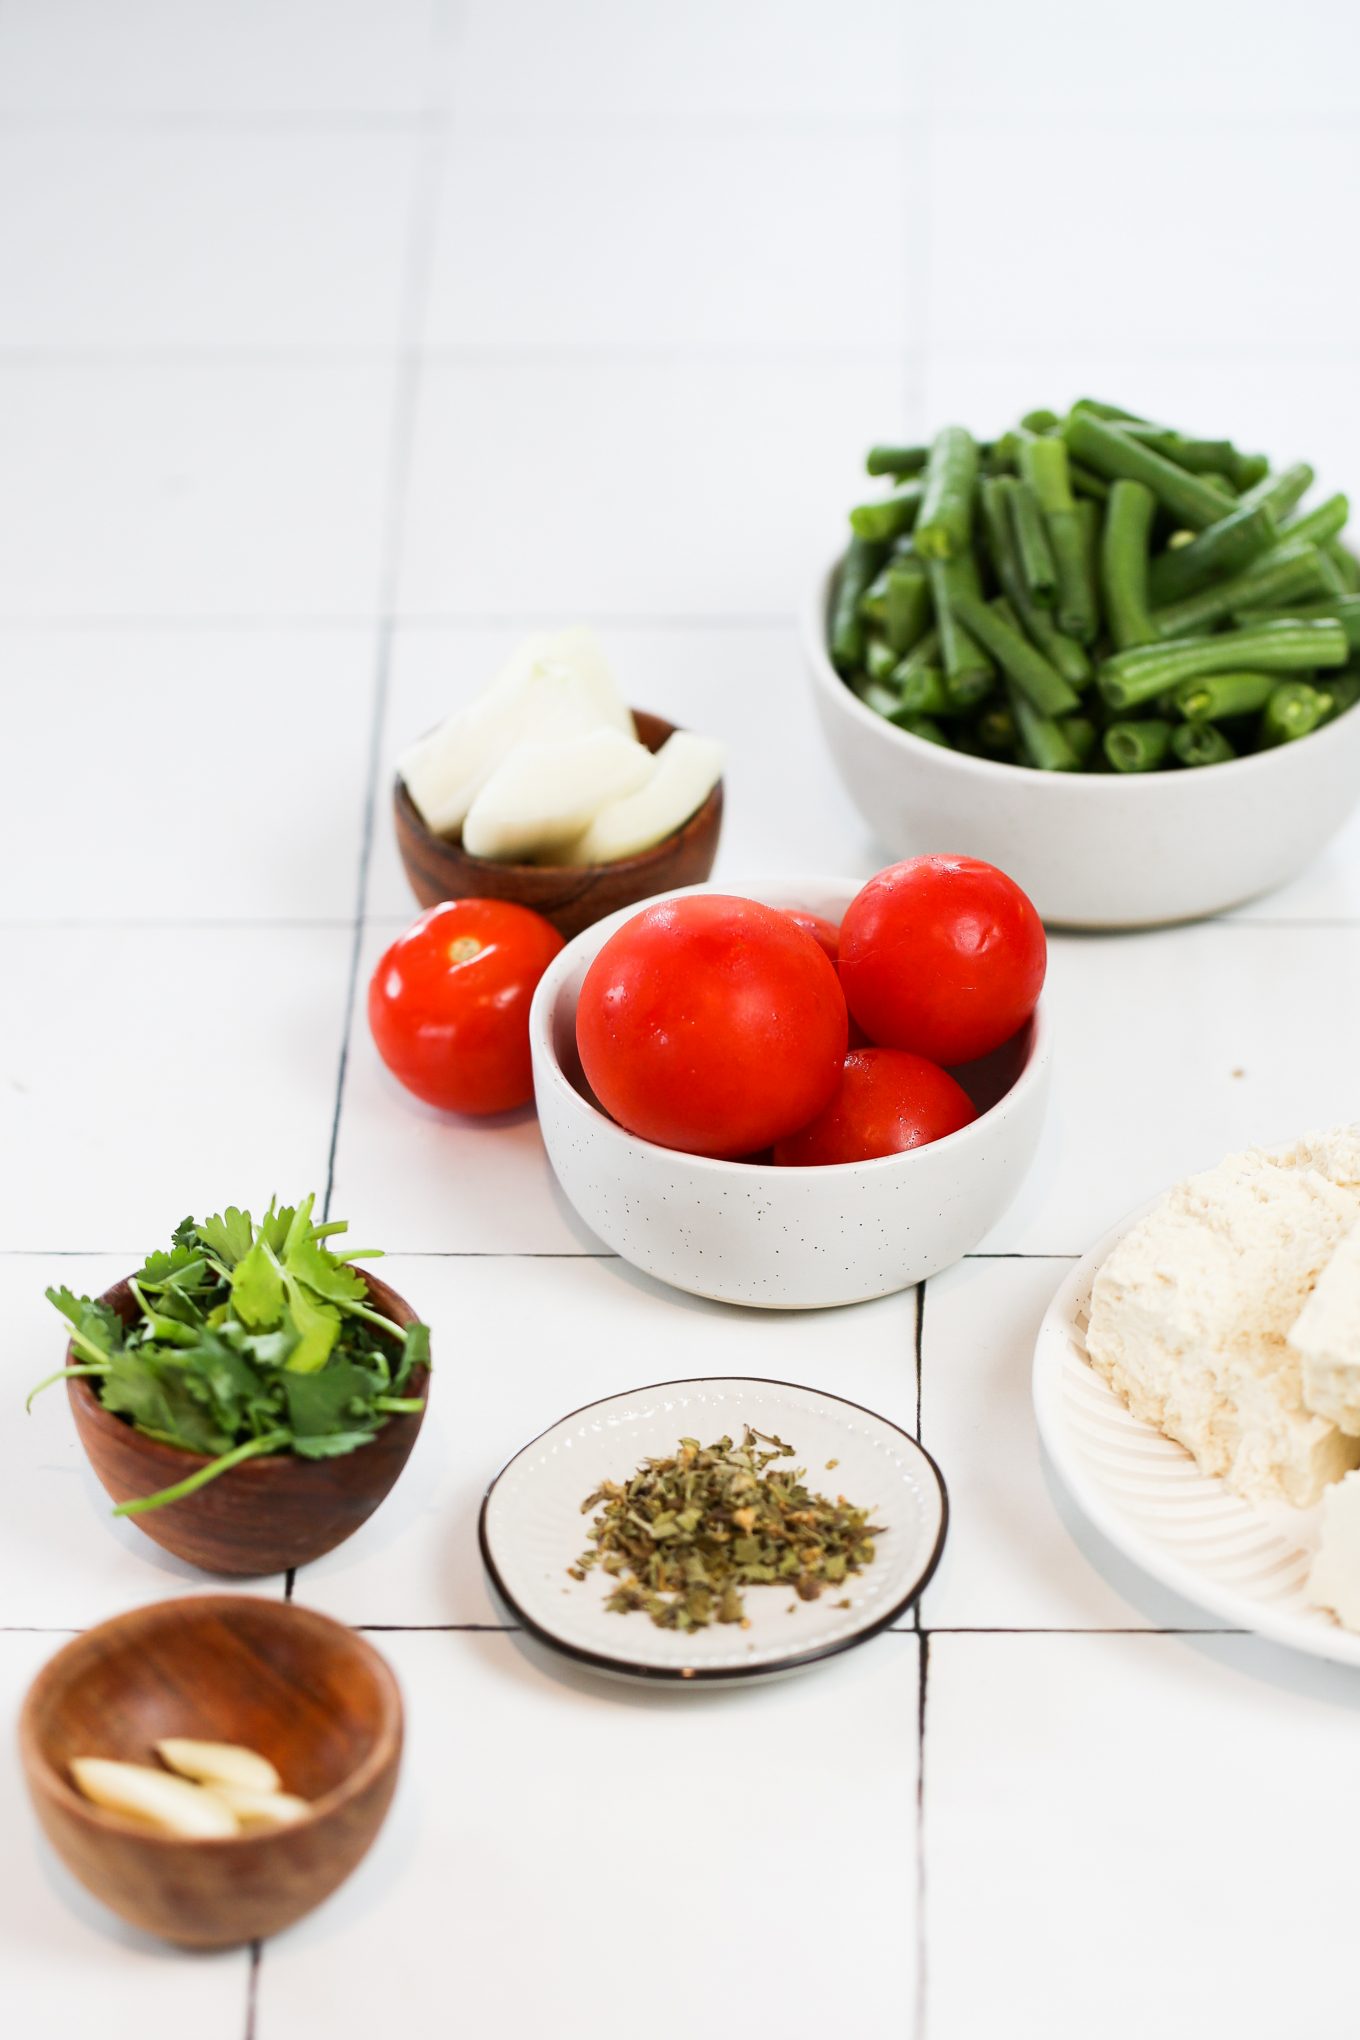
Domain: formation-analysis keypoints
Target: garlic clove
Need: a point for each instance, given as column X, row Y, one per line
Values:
column 261, row 1809
column 171, row 1805
column 685, row 771
column 217, row 1763
column 545, row 794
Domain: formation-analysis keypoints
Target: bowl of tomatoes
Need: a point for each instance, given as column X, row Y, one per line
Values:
column 798, row 1093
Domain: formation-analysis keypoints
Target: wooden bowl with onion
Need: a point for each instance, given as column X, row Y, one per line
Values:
column 570, row 896
column 305, row 1692
column 266, row 1514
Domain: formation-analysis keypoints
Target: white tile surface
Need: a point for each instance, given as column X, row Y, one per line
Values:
column 1128, row 1835
column 70, row 1966
column 1175, row 1048
column 639, row 486
column 672, row 233
column 151, row 1072
column 65, row 1561
column 253, row 56
column 130, row 835
column 136, row 237
column 191, row 488
column 557, row 1788
column 491, row 1318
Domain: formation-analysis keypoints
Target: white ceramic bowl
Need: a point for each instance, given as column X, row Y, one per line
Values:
column 780, row 1239
column 1093, row 850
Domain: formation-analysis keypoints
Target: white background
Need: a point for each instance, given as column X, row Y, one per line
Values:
column 340, row 342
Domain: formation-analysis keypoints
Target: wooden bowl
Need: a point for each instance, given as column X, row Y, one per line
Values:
column 266, row 1514
column 571, row 896
column 304, row 1691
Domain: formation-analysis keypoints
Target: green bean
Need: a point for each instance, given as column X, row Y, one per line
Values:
column 1082, row 735
column 923, row 692
column 1219, row 550
column 925, row 727
column 1200, row 743
column 889, row 516
column 896, row 460
column 1085, row 483
column 1290, row 573
column 1111, row 413
column 875, row 694
column 1345, row 608
column 1282, row 491
column 1322, row 525
column 1249, row 469
column 1043, row 739
column 1342, row 692
column 997, row 732
column 1041, row 421
column 1043, row 468
column 1219, row 695
column 1346, row 564
column 907, row 609
column 873, row 603
column 1197, row 456
column 945, row 525
column 1036, row 554
column 1062, row 652
column 1135, row 676
column 880, row 660
column 1124, row 564
column 1072, row 535
column 968, row 670
column 1112, row 453
column 847, row 628
column 993, row 626
column 1137, row 746
column 1294, row 710
column 924, row 654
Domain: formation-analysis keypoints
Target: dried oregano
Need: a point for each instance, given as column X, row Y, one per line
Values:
column 685, row 1535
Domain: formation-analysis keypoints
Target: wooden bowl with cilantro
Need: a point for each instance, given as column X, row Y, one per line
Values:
column 248, row 1397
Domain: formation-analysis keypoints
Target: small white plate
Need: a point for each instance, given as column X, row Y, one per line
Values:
column 1246, row 1562
column 532, row 1528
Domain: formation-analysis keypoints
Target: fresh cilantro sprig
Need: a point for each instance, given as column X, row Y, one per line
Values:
column 249, row 1339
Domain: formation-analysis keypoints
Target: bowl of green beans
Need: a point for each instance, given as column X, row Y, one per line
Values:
column 1113, row 659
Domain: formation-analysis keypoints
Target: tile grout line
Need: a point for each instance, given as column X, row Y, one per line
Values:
column 921, row 1288
column 919, row 2009
column 253, row 1987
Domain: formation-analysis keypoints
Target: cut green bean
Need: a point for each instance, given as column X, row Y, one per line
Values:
column 1082, row 735
column 1043, row 466
column 1282, row 491
column 1322, row 525
column 1061, row 652
column 1346, row 564
column 923, row 692
column 1043, row 739
column 1218, row 551
column 1342, row 692
column 896, row 460
column 1072, row 535
column 847, row 633
column 1288, row 574
column 923, row 726
column 888, row 517
column 873, row 603
column 1112, row 413
column 1345, row 609
column 1112, row 453
column 1124, row 564
column 883, row 699
column 1219, row 695
column 968, row 671
column 880, row 660
column 907, row 609
column 1041, row 421
column 1136, row 676
column 945, row 525
column 1137, row 746
column 1200, row 743
column 1294, row 710
column 997, row 732
column 1037, row 564
column 992, row 626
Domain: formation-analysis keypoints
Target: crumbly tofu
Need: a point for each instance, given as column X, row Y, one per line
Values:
column 1190, row 1315
column 1334, row 1581
column 1326, row 1338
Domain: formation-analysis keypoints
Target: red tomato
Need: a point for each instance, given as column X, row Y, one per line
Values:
column 888, row 1101
column 819, row 928
column 449, row 1003
column 711, row 1024
column 942, row 955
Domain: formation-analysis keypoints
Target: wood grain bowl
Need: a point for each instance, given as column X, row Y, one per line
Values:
column 304, row 1691
column 571, row 897
column 266, row 1514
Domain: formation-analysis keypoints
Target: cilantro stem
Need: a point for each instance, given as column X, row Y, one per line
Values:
column 63, row 1374
column 399, row 1405
column 85, row 1345
column 254, row 1448
column 374, row 1317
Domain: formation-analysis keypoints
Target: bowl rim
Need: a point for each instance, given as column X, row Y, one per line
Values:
column 1066, row 785
column 413, row 819
column 43, row 1775
column 545, row 1058
column 79, row 1390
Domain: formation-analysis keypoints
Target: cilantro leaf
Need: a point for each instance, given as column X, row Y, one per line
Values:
column 97, row 1329
column 325, row 1275
column 228, row 1233
column 332, row 1446
column 318, row 1326
column 328, row 1401
column 257, row 1290
column 415, row 1352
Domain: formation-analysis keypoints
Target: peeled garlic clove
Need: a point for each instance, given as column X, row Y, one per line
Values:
column 218, row 1763
column 261, row 1809
column 543, row 795
column 171, row 1805
column 685, row 771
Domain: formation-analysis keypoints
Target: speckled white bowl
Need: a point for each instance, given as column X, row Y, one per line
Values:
column 1092, row 850
column 780, row 1239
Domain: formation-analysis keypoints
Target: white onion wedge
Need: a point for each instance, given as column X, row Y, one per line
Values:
column 171, row 1805
column 684, row 773
column 261, row 1809
column 543, row 795
column 218, row 1763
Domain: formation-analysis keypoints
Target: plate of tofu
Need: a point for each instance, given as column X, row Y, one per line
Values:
column 1197, row 1387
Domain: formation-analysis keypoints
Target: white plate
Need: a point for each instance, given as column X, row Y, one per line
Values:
column 1247, row 1562
column 532, row 1528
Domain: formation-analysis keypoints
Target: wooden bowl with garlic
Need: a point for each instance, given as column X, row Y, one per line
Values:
column 212, row 1768
column 548, row 791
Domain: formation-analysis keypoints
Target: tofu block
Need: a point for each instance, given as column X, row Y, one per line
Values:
column 1326, row 1338
column 544, row 795
column 1334, row 1581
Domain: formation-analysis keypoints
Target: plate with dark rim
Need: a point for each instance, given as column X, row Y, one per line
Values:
column 532, row 1529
